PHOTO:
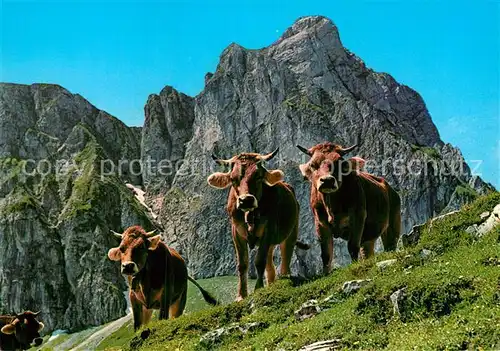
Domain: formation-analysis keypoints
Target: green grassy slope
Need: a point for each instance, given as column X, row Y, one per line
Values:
column 452, row 301
column 223, row 288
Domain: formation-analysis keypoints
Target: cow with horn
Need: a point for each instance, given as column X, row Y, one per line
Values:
column 263, row 212
column 157, row 275
column 349, row 203
column 20, row 331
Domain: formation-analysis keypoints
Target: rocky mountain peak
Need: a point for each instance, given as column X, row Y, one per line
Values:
column 310, row 26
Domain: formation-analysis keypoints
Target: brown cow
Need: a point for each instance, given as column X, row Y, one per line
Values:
column 348, row 203
column 20, row 331
column 156, row 274
column 263, row 212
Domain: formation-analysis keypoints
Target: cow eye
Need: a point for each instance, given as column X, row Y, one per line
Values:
column 122, row 249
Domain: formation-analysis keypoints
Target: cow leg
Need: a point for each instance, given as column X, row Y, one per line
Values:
column 136, row 310
column 260, row 264
column 326, row 241
column 325, row 237
column 356, row 227
column 146, row 315
column 177, row 308
column 167, row 293
column 391, row 236
column 286, row 248
column 164, row 309
column 270, row 269
column 241, row 248
column 367, row 249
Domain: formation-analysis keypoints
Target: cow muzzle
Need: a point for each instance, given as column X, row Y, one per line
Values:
column 38, row 341
column 246, row 203
column 327, row 184
column 129, row 268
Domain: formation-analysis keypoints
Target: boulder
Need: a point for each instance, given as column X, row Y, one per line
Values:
column 327, row 345
column 307, row 310
column 353, row 286
column 385, row 264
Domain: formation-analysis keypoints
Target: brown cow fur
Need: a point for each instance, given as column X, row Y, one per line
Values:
column 271, row 220
column 356, row 206
column 19, row 332
column 160, row 280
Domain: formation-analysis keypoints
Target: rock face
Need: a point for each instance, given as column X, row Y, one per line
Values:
column 168, row 126
column 304, row 89
column 57, row 208
column 490, row 221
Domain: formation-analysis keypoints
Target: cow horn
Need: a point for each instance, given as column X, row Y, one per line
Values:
column 151, row 233
column 304, row 150
column 36, row 313
column 269, row 156
column 342, row 152
column 118, row 235
column 221, row 161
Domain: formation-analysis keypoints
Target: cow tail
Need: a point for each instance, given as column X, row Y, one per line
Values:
column 302, row 246
column 206, row 295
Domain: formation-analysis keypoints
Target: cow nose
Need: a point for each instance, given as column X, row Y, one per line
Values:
column 38, row 341
column 129, row 268
column 327, row 183
column 246, row 202
column 328, row 180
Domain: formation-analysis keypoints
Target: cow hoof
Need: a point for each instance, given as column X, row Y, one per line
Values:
column 239, row 298
column 259, row 284
column 145, row 334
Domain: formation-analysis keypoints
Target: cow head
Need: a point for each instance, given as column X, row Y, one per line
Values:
column 133, row 249
column 327, row 166
column 247, row 176
column 25, row 328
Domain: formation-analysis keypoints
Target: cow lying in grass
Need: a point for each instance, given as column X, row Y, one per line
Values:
column 157, row 275
column 20, row 331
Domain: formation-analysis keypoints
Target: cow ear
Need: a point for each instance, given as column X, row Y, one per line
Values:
column 154, row 241
column 356, row 163
column 114, row 254
column 9, row 329
column 40, row 326
column 271, row 178
column 219, row 180
column 305, row 170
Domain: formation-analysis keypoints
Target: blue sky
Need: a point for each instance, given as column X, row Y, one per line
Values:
column 116, row 53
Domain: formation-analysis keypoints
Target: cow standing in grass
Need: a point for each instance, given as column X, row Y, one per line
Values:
column 156, row 274
column 20, row 331
column 263, row 212
column 348, row 203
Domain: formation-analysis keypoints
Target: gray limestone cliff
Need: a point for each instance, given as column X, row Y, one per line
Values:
column 57, row 208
